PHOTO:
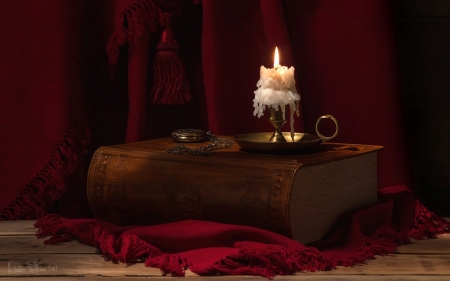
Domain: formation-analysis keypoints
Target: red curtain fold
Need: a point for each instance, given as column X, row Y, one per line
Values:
column 343, row 52
column 135, row 21
column 137, row 88
column 40, row 98
column 346, row 52
column 237, row 39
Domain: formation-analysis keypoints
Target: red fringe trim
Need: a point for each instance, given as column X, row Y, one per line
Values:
column 126, row 248
column 140, row 17
column 168, row 264
column 271, row 260
column 268, row 262
column 258, row 259
column 427, row 224
column 49, row 183
column 384, row 241
column 276, row 260
column 53, row 226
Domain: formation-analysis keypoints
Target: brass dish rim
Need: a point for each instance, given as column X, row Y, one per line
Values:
column 255, row 142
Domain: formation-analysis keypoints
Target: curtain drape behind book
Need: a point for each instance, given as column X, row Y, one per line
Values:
column 55, row 71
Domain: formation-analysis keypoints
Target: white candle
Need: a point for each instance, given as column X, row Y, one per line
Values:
column 276, row 88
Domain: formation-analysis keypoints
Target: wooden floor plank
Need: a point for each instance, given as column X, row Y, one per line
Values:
column 91, row 264
column 18, row 227
column 22, row 256
column 29, row 244
column 68, row 265
column 235, row 278
column 359, row 277
column 441, row 245
column 400, row 264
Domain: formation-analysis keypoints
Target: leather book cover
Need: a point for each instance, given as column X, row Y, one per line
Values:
column 141, row 184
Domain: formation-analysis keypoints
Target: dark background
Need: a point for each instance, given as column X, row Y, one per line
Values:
column 423, row 35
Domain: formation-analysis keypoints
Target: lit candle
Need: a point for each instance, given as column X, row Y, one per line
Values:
column 276, row 88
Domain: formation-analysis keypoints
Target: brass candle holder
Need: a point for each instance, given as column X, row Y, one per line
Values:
column 278, row 142
column 277, row 118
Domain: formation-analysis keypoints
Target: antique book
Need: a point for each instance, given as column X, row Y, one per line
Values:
column 298, row 195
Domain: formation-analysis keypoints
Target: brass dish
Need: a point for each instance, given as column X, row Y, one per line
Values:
column 281, row 142
column 259, row 142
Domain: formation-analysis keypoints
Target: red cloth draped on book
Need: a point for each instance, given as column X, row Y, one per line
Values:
column 209, row 248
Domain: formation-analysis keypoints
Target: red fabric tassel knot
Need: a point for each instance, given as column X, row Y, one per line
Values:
column 140, row 17
column 170, row 83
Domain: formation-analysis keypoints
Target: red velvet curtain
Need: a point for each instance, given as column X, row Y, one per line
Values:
column 344, row 53
column 57, row 85
column 41, row 96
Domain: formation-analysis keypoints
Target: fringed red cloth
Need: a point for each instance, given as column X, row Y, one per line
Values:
column 209, row 248
column 50, row 183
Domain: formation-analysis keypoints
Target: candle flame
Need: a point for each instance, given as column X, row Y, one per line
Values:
column 276, row 60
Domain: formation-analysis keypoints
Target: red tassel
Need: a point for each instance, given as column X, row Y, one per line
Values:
column 170, row 84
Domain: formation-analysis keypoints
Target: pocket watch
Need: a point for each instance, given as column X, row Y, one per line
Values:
column 189, row 135
column 197, row 135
